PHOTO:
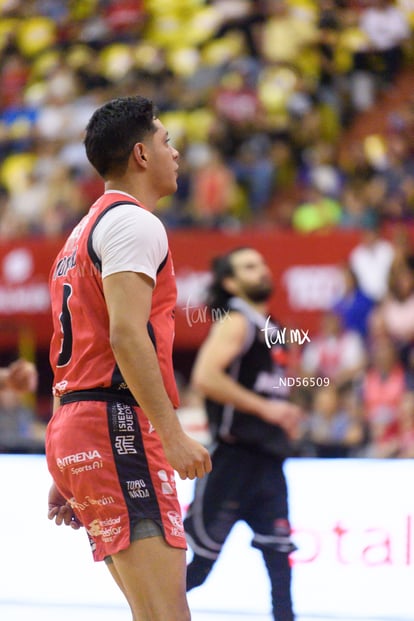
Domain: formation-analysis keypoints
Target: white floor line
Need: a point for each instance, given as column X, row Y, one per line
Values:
column 11, row 611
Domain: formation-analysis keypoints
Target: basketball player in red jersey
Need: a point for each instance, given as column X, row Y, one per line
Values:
column 114, row 439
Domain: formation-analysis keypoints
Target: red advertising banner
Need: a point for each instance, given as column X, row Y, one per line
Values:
column 24, row 296
column 305, row 268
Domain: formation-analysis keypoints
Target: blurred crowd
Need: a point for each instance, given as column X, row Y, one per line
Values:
column 256, row 96
column 365, row 346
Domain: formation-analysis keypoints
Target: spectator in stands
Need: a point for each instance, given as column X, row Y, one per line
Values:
column 382, row 391
column 17, row 123
column 374, row 195
column 406, row 426
column 27, row 202
column 235, row 98
column 329, row 26
column 335, row 353
column 353, row 307
column 255, row 172
column 355, row 165
column 4, row 210
column 403, row 250
column 20, row 376
column 318, row 212
column 285, row 34
column 398, row 175
column 387, row 30
column 319, row 168
column 376, row 328
column 57, row 119
column 241, row 17
column 124, row 17
column 64, row 204
column 213, row 192
column 14, row 74
column 356, row 214
column 397, row 309
column 371, row 261
column 20, row 430
column 334, row 425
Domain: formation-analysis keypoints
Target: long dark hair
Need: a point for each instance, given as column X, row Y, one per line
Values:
column 221, row 268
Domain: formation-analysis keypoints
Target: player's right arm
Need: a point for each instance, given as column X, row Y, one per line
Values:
column 131, row 244
column 128, row 298
column 223, row 345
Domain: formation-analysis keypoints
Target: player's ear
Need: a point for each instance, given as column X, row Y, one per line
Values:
column 140, row 154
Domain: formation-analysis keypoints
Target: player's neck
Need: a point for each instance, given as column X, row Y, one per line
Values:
column 260, row 307
column 147, row 198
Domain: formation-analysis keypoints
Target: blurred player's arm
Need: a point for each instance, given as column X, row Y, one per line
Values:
column 20, row 375
column 223, row 345
column 128, row 297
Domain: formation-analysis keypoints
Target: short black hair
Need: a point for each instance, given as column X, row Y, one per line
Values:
column 114, row 129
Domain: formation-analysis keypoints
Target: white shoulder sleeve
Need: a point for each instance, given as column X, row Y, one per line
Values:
column 130, row 239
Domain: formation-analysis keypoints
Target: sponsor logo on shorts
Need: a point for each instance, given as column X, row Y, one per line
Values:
column 167, row 486
column 176, row 520
column 137, row 489
column 124, row 426
column 123, row 418
column 107, row 529
column 90, row 460
column 88, row 501
column 125, row 445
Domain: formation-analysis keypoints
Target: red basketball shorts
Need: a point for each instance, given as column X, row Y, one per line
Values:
column 108, row 462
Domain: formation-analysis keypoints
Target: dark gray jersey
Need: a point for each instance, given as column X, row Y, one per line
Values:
column 257, row 369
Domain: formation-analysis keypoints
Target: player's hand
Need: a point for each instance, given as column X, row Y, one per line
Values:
column 286, row 415
column 187, row 456
column 22, row 376
column 60, row 510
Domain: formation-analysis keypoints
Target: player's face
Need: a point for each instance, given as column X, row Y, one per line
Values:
column 163, row 161
column 252, row 277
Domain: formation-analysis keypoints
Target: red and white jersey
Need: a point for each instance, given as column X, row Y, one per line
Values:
column 80, row 353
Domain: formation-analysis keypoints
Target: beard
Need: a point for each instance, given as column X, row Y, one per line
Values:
column 260, row 292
